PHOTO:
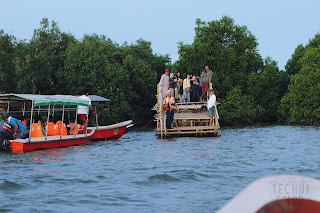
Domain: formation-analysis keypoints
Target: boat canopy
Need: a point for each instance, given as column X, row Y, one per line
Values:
column 43, row 100
column 96, row 98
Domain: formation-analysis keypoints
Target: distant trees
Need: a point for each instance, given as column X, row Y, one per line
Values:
column 7, row 62
column 248, row 87
column 54, row 62
column 301, row 103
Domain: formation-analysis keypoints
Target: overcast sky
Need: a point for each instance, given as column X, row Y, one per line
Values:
column 278, row 25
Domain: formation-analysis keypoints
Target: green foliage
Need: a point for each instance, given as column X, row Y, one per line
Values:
column 301, row 103
column 251, row 89
column 293, row 66
column 239, row 108
column 7, row 62
column 238, row 70
column 267, row 88
column 54, row 62
column 229, row 49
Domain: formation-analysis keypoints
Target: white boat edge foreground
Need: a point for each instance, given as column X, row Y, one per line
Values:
column 266, row 190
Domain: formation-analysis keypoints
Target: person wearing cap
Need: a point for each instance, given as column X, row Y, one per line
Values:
column 20, row 131
column 169, row 103
column 164, row 83
column 205, row 81
column 211, row 105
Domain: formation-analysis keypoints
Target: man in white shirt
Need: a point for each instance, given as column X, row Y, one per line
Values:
column 83, row 111
column 211, row 105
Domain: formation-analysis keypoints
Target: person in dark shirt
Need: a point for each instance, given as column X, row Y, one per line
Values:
column 172, row 84
column 178, row 76
column 194, row 89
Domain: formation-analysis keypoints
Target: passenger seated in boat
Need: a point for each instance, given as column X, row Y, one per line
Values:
column 23, row 120
column 51, row 128
column 20, row 131
column 74, row 127
column 37, row 130
column 62, row 128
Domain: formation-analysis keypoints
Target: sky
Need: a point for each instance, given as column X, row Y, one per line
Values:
column 279, row 25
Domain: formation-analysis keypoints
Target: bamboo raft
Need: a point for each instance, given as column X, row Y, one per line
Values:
column 192, row 120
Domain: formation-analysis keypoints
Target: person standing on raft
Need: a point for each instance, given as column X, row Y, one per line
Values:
column 169, row 103
column 211, row 105
column 205, row 81
column 164, row 83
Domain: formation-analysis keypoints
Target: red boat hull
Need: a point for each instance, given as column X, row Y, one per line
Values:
column 110, row 132
column 27, row 147
column 289, row 205
column 114, row 131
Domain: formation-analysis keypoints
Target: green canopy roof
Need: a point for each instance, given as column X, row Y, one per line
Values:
column 43, row 100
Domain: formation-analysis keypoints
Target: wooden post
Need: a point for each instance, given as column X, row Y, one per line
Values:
column 159, row 95
column 160, row 127
column 216, row 116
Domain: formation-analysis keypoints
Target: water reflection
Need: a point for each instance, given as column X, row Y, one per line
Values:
column 48, row 155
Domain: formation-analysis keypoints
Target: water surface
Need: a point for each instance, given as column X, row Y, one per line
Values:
column 141, row 173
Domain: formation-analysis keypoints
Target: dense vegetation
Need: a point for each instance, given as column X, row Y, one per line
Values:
column 250, row 89
column 301, row 103
column 54, row 62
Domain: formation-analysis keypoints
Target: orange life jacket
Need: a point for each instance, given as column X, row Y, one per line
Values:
column 169, row 103
column 74, row 127
column 64, row 128
column 36, row 130
column 52, row 129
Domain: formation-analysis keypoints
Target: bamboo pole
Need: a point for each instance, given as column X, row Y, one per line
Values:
column 31, row 120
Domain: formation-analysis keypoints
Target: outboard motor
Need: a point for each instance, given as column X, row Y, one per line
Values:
column 6, row 134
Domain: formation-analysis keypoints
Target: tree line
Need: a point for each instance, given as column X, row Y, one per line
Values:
column 250, row 89
column 55, row 62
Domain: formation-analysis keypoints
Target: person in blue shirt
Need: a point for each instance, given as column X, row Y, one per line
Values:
column 20, row 131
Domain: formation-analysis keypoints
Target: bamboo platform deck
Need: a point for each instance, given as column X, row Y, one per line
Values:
column 197, row 131
column 191, row 120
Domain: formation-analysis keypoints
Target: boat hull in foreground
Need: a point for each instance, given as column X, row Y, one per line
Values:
column 110, row 132
column 287, row 193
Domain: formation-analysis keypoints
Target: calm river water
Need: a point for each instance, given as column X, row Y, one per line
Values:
column 141, row 173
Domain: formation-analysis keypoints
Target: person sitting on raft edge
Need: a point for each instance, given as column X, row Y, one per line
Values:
column 20, row 131
column 169, row 103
